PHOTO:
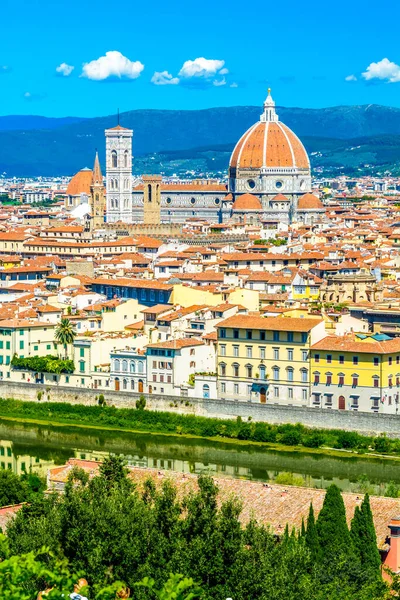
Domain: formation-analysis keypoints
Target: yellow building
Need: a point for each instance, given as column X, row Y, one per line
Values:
column 266, row 358
column 24, row 338
column 356, row 372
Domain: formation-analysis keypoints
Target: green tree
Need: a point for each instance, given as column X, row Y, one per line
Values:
column 65, row 334
column 333, row 533
column 364, row 538
column 15, row 489
column 113, row 469
column 311, row 536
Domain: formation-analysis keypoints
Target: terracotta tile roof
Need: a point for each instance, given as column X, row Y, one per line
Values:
column 350, row 344
column 247, row 202
column 137, row 283
column 80, row 183
column 176, row 344
column 22, row 323
column 273, row 505
column 157, row 309
column 270, row 323
column 269, row 144
column 310, row 202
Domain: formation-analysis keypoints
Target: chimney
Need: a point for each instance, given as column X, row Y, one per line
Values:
column 392, row 559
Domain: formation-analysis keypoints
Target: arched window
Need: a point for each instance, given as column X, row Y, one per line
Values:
column 97, row 197
column 222, row 369
column 132, row 366
column 140, row 366
column 235, row 369
column 116, row 364
column 262, row 372
column 206, row 391
column 126, row 158
column 275, row 373
column 149, row 192
column 249, row 371
column 111, row 184
column 132, row 384
column 290, row 372
column 304, row 375
column 125, row 366
column 114, row 159
column 115, row 184
column 124, row 384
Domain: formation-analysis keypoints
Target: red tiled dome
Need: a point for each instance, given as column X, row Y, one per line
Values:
column 269, row 144
column 309, row 202
column 247, row 202
column 80, row 183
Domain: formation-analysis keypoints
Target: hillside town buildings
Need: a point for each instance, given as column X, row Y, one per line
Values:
column 269, row 287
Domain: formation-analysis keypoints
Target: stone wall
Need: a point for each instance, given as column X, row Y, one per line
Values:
column 313, row 417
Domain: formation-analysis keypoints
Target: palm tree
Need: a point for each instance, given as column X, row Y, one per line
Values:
column 65, row 334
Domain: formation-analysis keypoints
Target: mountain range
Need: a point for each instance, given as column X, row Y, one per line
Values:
column 347, row 139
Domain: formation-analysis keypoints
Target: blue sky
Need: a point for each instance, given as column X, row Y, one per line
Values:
column 148, row 54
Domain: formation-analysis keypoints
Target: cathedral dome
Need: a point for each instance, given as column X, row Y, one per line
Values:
column 80, row 183
column 269, row 144
column 247, row 202
column 309, row 202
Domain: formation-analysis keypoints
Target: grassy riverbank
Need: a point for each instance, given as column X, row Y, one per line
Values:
column 296, row 437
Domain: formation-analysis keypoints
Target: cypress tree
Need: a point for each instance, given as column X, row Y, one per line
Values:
column 303, row 529
column 311, row 536
column 363, row 536
column 333, row 533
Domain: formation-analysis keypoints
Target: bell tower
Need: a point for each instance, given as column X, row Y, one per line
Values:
column 152, row 199
column 119, row 174
column 97, row 196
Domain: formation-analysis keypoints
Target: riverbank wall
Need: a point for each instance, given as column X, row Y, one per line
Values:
column 269, row 413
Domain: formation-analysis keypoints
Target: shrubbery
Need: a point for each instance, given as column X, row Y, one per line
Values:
column 139, row 419
column 43, row 364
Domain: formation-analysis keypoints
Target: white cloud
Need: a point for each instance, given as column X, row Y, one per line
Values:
column 64, row 69
column 234, row 85
column 202, row 67
column 384, row 69
column 164, row 78
column 113, row 64
column 31, row 97
column 219, row 82
column 350, row 78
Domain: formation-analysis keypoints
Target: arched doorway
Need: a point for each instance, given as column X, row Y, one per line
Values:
column 263, row 395
column 116, row 382
column 140, row 386
column 206, row 390
column 150, row 389
column 342, row 403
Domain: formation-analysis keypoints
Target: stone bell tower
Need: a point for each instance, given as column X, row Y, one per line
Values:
column 152, row 199
column 97, row 197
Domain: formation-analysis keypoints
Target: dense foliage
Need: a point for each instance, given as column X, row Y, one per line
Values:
column 169, row 422
column 27, row 576
column 43, row 364
column 19, row 488
column 109, row 530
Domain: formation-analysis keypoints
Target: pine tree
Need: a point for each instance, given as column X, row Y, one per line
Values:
column 311, row 536
column 364, row 538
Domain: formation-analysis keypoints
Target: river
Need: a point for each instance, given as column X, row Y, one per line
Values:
column 36, row 447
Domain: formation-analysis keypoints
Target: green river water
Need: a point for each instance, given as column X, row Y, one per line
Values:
column 37, row 447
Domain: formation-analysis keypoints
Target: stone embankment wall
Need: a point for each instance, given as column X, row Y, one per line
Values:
column 351, row 421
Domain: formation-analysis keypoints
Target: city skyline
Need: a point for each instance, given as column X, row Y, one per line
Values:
column 190, row 57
